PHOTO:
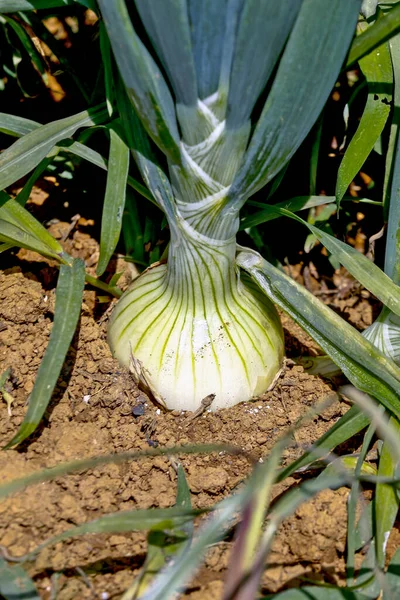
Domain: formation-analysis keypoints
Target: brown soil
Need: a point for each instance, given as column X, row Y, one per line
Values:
column 91, row 414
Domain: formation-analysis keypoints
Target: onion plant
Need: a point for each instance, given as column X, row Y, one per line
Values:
column 219, row 95
column 196, row 325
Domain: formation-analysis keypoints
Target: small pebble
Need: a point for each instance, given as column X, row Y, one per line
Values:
column 138, row 410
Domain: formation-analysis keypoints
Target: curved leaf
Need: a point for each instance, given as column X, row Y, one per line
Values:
column 27, row 152
column 365, row 366
column 384, row 28
column 262, row 32
column 363, row 269
column 30, row 230
column 69, row 292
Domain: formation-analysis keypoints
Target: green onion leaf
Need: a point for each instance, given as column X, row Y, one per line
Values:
column 384, row 28
column 27, row 152
column 167, row 23
column 207, row 26
column 262, row 33
column 69, row 292
column 311, row 61
column 114, row 199
column 377, row 68
column 365, row 366
column 144, row 81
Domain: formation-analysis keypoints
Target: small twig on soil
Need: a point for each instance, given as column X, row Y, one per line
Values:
column 205, row 404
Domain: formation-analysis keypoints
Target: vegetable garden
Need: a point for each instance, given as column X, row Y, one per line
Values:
column 199, row 299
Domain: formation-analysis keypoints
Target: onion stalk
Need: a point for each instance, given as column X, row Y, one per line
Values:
column 197, row 326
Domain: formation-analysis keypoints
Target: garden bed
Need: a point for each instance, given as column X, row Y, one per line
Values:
column 96, row 409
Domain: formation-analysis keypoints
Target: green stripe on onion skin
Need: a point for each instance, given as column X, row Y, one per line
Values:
column 384, row 333
column 198, row 328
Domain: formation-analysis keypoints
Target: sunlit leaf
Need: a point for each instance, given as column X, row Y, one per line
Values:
column 67, row 310
column 377, row 68
column 365, row 366
column 114, row 199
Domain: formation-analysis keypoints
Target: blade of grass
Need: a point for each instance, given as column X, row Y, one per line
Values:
column 366, row 367
column 13, row 235
column 27, row 152
column 171, row 579
column 28, row 45
column 392, row 149
column 293, row 204
column 248, row 534
column 157, row 519
column 352, row 506
column 386, row 501
column 363, row 269
column 90, row 463
column 67, row 310
column 163, row 547
column 114, row 199
column 377, row 68
column 351, row 423
column 384, row 28
column 19, row 126
column 16, row 215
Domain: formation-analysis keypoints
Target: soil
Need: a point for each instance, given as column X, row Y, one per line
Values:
column 91, row 414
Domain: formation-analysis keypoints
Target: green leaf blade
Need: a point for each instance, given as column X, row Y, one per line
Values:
column 365, row 366
column 262, row 33
column 114, row 200
column 27, row 152
column 144, row 82
column 23, row 229
column 386, row 499
column 311, row 60
column 207, row 25
column 67, row 310
column 377, row 68
column 167, row 23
